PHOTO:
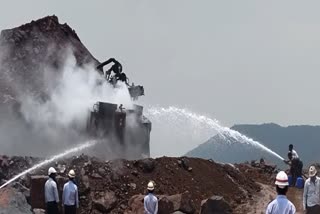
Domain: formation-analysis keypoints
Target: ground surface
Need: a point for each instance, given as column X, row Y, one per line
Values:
column 295, row 195
column 200, row 178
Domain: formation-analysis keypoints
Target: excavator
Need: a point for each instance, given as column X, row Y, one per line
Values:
column 115, row 74
column 110, row 120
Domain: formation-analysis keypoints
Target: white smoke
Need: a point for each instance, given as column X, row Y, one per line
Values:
column 77, row 90
column 57, row 121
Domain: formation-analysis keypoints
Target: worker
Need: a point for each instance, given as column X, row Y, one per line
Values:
column 51, row 192
column 311, row 192
column 294, row 153
column 293, row 168
column 295, row 163
column 150, row 201
column 70, row 197
column 281, row 205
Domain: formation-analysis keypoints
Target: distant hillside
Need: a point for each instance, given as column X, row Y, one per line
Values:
column 304, row 138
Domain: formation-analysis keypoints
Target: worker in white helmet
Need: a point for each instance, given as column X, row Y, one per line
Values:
column 51, row 192
column 281, row 205
column 150, row 201
column 70, row 197
column 311, row 193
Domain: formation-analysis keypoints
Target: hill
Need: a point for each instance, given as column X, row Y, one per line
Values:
column 304, row 138
column 28, row 50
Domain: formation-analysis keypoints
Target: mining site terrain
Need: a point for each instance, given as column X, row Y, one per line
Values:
column 183, row 184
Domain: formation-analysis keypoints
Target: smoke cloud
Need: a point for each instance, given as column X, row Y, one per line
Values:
column 49, row 124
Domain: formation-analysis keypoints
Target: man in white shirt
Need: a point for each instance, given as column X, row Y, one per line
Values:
column 296, row 164
column 70, row 198
column 293, row 152
column 311, row 193
column 281, row 205
column 51, row 192
column 150, row 201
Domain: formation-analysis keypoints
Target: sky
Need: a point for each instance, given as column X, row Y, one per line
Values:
column 237, row 61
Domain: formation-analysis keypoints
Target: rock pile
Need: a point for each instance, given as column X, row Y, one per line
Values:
column 28, row 50
column 118, row 186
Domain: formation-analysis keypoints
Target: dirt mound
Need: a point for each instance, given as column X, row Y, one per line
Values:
column 28, row 50
column 122, row 179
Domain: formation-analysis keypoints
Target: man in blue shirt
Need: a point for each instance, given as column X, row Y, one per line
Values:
column 150, row 201
column 51, row 192
column 70, row 198
column 281, row 205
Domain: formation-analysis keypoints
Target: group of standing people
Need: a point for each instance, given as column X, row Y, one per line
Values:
column 311, row 192
column 311, row 195
column 70, row 196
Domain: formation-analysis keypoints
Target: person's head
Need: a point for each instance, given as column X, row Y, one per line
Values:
column 312, row 172
column 282, row 191
column 289, row 155
column 282, row 183
column 52, row 173
column 71, row 174
column 290, row 147
column 150, row 187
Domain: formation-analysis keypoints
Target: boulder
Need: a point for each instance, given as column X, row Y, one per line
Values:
column 183, row 202
column 135, row 204
column 147, row 165
column 165, row 205
column 104, row 201
column 215, row 205
column 13, row 202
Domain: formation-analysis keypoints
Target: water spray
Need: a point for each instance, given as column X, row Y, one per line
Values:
column 174, row 113
column 47, row 161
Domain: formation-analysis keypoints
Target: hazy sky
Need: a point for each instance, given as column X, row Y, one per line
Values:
column 239, row 61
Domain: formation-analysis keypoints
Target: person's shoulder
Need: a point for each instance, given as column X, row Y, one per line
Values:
column 49, row 181
column 75, row 186
column 291, row 205
column 271, row 204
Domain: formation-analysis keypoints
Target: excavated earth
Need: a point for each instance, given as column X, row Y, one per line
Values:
column 120, row 180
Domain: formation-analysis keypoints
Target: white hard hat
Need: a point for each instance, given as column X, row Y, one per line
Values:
column 150, row 185
column 51, row 171
column 312, row 171
column 71, row 173
column 282, row 180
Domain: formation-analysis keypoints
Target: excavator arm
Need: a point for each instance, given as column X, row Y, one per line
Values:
column 100, row 66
